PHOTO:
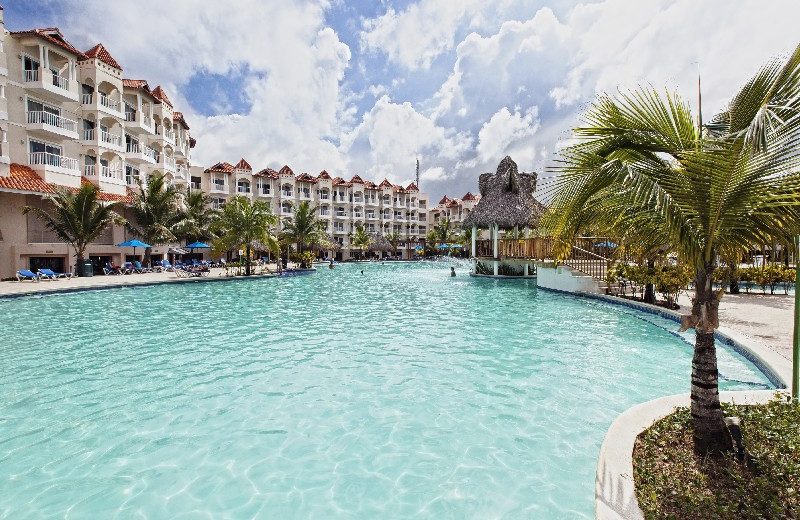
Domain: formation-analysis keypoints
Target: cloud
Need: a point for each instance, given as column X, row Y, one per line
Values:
column 508, row 134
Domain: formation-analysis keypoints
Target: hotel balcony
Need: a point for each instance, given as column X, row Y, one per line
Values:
column 51, row 125
column 139, row 123
column 219, row 188
column 48, row 83
column 55, row 169
column 169, row 136
column 100, row 175
column 195, row 186
column 182, row 175
column 101, row 139
column 341, row 215
column 138, row 153
column 168, row 163
column 102, row 103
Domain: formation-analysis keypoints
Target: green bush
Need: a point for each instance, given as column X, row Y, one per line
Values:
column 482, row 268
column 305, row 260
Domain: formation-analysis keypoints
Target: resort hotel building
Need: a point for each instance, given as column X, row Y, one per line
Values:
column 454, row 209
column 69, row 117
column 342, row 205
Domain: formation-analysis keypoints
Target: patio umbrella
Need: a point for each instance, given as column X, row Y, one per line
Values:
column 418, row 248
column 134, row 244
column 197, row 245
column 443, row 246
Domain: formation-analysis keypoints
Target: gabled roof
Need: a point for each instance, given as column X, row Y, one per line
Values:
column 101, row 53
column 24, row 179
column 445, row 200
column 52, row 35
column 469, row 196
column 243, row 165
column 323, row 175
column 412, row 187
column 267, row 172
column 286, row 171
column 304, row 177
column 178, row 117
column 356, row 179
column 370, row 185
column 221, row 167
column 338, row 181
column 159, row 93
column 140, row 84
column 453, row 203
column 385, row 184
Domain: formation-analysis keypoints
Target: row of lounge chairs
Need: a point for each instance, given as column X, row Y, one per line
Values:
column 41, row 274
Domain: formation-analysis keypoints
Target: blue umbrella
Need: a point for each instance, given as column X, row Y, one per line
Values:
column 134, row 244
column 457, row 246
column 606, row 244
column 198, row 245
column 443, row 246
column 419, row 248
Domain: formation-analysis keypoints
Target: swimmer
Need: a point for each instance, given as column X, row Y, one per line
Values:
column 452, row 271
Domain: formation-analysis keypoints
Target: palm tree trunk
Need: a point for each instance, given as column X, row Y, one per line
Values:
column 247, row 259
column 710, row 434
column 650, row 290
column 147, row 252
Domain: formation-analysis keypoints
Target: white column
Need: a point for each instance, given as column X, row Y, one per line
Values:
column 474, row 232
column 496, row 265
column 496, row 232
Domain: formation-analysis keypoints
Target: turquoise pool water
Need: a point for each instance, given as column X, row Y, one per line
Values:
column 396, row 393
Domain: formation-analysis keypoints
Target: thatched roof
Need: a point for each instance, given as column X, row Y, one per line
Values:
column 326, row 243
column 380, row 243
column 506, row 199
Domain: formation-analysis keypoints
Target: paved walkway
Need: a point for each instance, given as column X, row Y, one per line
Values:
column 767, row 319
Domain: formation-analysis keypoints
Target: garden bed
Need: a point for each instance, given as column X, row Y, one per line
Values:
column 673, row 483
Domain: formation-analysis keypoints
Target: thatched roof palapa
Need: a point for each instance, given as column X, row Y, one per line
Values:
column 380, row 243
column 506, row 199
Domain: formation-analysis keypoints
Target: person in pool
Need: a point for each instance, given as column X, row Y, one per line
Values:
column 452, row 271
column 330, row 265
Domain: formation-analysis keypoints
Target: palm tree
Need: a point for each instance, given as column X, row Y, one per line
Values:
column 394, row 239
column 644, row 168
column 198, row 218
column 443, row 231
column 78, row 217
column 243, row 222
column 304, row 229
column 155, row 212
column 360, row 238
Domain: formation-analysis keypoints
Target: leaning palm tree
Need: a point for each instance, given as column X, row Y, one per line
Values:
column 198, row 217
column 394, row 239
column 443, row 231
column 243, row 222
column 154, row 206
column 77, row 217
column 304, row 228
column 643, row 168
column 360, row 238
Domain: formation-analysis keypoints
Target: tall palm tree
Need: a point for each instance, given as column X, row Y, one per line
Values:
column 644, row 168
column 77, row 217
column 243, row 222
column 198, row 217
column 304, row 228
column 394, row 239
column 443, row 231
column 154, row 206
column 360, row 238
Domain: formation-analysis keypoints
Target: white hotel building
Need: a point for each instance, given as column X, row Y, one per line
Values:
column 69, row 117
column 343, row 205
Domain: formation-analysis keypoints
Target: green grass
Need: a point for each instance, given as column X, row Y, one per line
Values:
column 673, row 483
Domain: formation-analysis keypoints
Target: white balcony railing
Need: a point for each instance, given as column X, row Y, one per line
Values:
column 53, row 120
column 88, row 170
column 133, row 148
column 60, row 82
column 146, row 121
column 31, row 75
column 150, row 152
column 130, row 116
column 169, row 134
column 51, row 159
column 169, row 162
column 195, row 185
column 108, row 102
column 109, row 138
column 111, row 173
column 86, row 99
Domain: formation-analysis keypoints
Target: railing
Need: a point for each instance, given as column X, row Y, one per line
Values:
column 195, row 185
column 133, row 148
column 60, row 81
column 217, row 186
column 243, row 189
column 286, row 193
column 31, row 75
column 130, row 116
column 88, row 170
column 323, row 196
column 146, row 121
column 108, row 102
column 169, row 134
column 51, row 159
column 109, row 138
column 86, row 99
column 111, row 173
column 150, row 152
column 53, row 120
column 169, row 162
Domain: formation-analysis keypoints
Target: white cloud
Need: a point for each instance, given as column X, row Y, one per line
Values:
column 508, row 134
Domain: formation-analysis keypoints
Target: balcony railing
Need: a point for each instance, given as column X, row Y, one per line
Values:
column 150, row 152
column 243, row 189
column 195, row 185
column 146, row 121
column 169, row 134
column 108, row 102
column 51, row 159
column 109, row 138
column 53, row 120
column 88, row 170
column 130, row 116
column 58, row 81
column 169, row 162
column 31, row 75
column 111, row 173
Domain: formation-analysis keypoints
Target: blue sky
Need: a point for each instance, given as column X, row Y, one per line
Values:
column 366, row 87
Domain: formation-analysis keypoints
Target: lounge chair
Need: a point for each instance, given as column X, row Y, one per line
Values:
column 130, row 268
column 25, row 274
column 139, row 269
column 166, row 266
column 49, row 273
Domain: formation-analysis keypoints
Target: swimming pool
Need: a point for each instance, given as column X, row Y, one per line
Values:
column 396, row 393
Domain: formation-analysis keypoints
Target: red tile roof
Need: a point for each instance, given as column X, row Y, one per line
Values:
column 412, row 187
column 101, row 53
column 338, row 181
column 23, row 178
column 304, row 177
column 286, row 170
column 178, row 116
column 140, row 84
column 243, row 165
column 370, row 185
column 52, row 35
column 469, row 196
column 453, row 203
column 356, row 179
column 385, row 184
column 159, row 93
column 323, row 175
column 221, row 167
column 445, row 200
column 267, row 172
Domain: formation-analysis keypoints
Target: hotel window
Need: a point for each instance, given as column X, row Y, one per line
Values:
column 323, row 195
column 338, row 226
column 217, row 203
column 370, row 213
column 423, row 229
column 219, row 183
column 287, row 190
column 286, row 208
column 196, row 183
column 131, row 174
column 130, row 112
column 243, row 186
column 307, row 193
column 340, row 212
column 398, row 215
column 265, row 188
column 323, row 211
column 44, row 153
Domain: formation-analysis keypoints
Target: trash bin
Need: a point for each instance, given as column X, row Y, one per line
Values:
column 85, row 268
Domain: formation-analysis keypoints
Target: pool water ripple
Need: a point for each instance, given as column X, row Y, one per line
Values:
column 399, row 393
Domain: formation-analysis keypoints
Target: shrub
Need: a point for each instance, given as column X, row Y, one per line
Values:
column 305, row 260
